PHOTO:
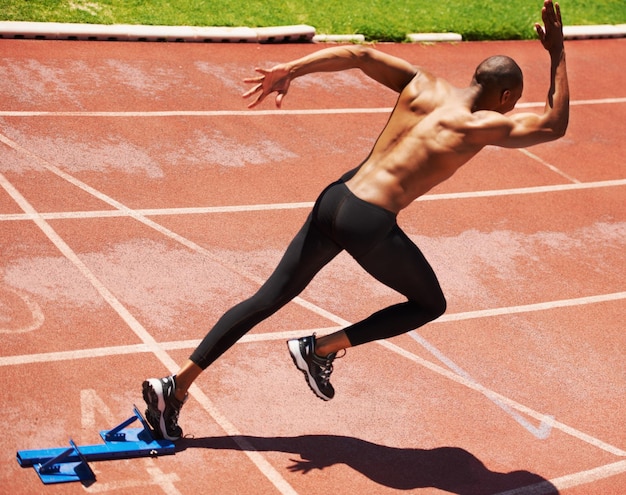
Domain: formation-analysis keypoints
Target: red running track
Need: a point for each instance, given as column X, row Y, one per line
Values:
column 140, row 200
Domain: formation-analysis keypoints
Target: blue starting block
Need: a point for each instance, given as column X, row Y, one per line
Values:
column 60, row 469
column 67, row 464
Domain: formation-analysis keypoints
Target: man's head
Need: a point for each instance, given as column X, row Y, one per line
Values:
column 501, row 81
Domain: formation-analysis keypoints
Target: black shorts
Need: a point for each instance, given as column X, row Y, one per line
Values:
column 355, row 225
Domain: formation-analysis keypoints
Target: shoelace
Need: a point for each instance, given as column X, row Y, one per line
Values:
column 175, row 407
column 326, row 365
column 326, row 368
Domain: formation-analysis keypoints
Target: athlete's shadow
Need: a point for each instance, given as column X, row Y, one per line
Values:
column 448, row 468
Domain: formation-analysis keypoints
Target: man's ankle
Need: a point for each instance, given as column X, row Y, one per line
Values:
column 331, row 344
column 180, row 395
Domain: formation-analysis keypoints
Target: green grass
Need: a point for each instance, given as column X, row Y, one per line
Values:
column 379, row 20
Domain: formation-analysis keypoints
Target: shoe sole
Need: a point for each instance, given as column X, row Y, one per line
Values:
column 153, row 396
column 301, row 364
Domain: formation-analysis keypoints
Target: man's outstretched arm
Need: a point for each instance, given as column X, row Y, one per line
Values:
column 530, row 129
column 393, row 72
column 557, row 103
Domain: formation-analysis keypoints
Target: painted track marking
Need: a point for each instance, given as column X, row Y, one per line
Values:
column 200, row 210
column 540, row 432
column 570, row 480
column 36, row 314
column 252, row 113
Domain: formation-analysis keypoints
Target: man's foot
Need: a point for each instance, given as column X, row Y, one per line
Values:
column 316, row 369
column 163, row 407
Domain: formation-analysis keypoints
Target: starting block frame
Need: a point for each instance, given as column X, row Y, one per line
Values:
column 63, row 465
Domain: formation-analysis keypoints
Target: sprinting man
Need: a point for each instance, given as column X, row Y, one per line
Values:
column 433, row 130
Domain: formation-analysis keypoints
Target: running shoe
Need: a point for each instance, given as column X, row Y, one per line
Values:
column 316, row 369
column 163, row 407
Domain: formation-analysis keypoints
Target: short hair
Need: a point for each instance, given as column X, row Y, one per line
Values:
column 499, row 72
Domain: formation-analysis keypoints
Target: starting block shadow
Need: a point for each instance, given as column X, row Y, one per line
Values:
column 68, row 464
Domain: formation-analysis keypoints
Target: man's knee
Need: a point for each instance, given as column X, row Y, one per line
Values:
column 426, row 310
column 437, row 306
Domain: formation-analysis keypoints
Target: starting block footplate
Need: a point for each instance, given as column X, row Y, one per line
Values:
column 63, row 464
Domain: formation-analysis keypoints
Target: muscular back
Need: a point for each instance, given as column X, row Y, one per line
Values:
column 424, row 142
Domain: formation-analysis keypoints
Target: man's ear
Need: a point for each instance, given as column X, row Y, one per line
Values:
column 505, row 96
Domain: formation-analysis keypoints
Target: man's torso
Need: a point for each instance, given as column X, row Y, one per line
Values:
column 424, row 142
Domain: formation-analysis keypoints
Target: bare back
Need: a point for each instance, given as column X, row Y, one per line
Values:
column 424, row 143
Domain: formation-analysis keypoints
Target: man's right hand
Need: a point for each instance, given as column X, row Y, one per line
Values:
column 276, row 79
column 551, row 35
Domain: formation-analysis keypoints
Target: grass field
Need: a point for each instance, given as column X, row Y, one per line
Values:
column 380, row 20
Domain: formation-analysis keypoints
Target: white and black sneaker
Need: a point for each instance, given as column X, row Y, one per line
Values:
column 163, row 407
column 316, row 369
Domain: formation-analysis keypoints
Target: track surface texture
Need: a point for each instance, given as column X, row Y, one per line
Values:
column 140, row 199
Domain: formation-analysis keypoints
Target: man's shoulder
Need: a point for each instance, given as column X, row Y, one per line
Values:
column 434, row 96
column 487, row 119
column 485, row 127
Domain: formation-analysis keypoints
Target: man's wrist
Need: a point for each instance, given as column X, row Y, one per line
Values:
column 558, row 53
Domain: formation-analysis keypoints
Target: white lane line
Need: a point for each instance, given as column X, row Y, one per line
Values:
column 570, row 480
column 257, row 113
column 596, row 101
column 267, row 337
column 523, row 190
column 528, row 308
column 589, row 476
column 200, row 210
column 176, row 345
column 588, row 439
column 549, row 166
column 540, row 432
column 50, row 357
column 262, row 464
column 198, row 113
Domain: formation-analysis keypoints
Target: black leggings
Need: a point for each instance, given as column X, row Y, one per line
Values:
column 339, row 221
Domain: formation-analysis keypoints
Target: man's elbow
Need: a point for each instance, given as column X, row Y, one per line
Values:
column 558, row 127
column 560, row 130
column 555, row 134
column 364, row 54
